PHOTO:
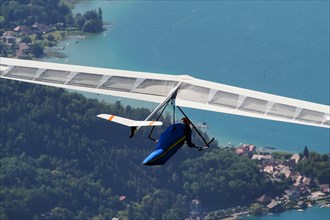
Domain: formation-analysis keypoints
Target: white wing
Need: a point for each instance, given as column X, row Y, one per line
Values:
column 129, row 122
column 192, row 92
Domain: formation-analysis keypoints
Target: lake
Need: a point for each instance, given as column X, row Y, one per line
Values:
column 279, row 47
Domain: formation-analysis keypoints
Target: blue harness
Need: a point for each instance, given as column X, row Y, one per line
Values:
column 170, row 141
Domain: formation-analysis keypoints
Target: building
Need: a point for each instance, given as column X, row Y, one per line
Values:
column 9, row 40
column 301, row 204
column 274, row 206
column 292, row 194
column 246, row 149
column 23, row 49
column 262, row 157
column 325, row 188
column 269, row 169
column 40, row 28
column 286, row 171
column 295, row 157
column 264, row 200
column 297, row 179
column 307, row 181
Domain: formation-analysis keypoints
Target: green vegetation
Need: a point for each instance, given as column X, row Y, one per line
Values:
column 281, row 155
column 257, row 209
column 27, row 12
column 315, row 165
column 49, row 12
column 59, row 160
column 90, row 21
column 223, row 174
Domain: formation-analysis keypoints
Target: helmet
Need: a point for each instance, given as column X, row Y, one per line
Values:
column 185, row 121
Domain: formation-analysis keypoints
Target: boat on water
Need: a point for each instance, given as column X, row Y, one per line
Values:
column 325, row 206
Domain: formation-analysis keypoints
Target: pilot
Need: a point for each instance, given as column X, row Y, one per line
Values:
column 187, row 132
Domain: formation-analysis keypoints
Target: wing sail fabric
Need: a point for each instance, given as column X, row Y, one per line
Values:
column 192, row 92
column 233, row 100
column 129, row 122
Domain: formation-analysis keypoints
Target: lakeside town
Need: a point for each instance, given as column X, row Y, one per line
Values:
column 37, row 37
column 303, row 192
column 20, row 42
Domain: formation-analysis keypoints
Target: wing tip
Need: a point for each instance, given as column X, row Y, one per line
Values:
column 105, row 116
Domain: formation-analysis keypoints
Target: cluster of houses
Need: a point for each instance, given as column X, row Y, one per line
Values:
column 13, row 37
column 299, row 192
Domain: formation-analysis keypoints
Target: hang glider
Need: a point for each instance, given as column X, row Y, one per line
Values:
column 189, row 92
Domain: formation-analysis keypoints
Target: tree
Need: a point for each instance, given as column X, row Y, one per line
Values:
column 306, row 152
column 257, row 209
column 79, row 21
column 26, row 39
column 37, row 50
column 39, row 36
column 27, row 12
column 90, row 21
column 50, row 37
column 100, row 14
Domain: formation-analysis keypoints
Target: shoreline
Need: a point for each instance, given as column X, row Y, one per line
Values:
column 270, row 215
column 246, row 214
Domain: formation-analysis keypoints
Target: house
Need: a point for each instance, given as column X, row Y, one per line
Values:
column 264, row 199
column 307, row 181
column 301, row 204
column 41, row 28
column 292, row 194
column 9, row 40
column 269, row 169
column 245, row 149
column 122, row 198
column 295, row 157
column 252, row 148
column 23, row 30
column 262, row 157
column 316, row 195
column 290, row 163
column 325, row 188
column 22, row 50
column 286, row 171
column 239, row 151
column 302, row 189
column 19, row 28
column 8, row 33
column 274, row 206
column 297, row 179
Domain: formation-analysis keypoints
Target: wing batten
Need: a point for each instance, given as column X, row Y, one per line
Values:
column 192, row 92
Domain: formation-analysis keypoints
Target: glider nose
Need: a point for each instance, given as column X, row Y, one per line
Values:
column 153, row 158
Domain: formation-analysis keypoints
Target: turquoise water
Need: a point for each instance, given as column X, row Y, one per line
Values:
column 279, row 47
column 315, row 213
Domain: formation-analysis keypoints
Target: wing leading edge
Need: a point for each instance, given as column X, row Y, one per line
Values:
column 191, row 92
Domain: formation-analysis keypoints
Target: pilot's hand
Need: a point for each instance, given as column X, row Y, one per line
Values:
column 192, row 145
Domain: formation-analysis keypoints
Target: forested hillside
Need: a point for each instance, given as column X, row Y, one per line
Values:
column 49, row 12
column 27, row 12
column 58, row 160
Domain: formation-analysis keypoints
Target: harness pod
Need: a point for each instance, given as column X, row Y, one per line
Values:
column 170, row 141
